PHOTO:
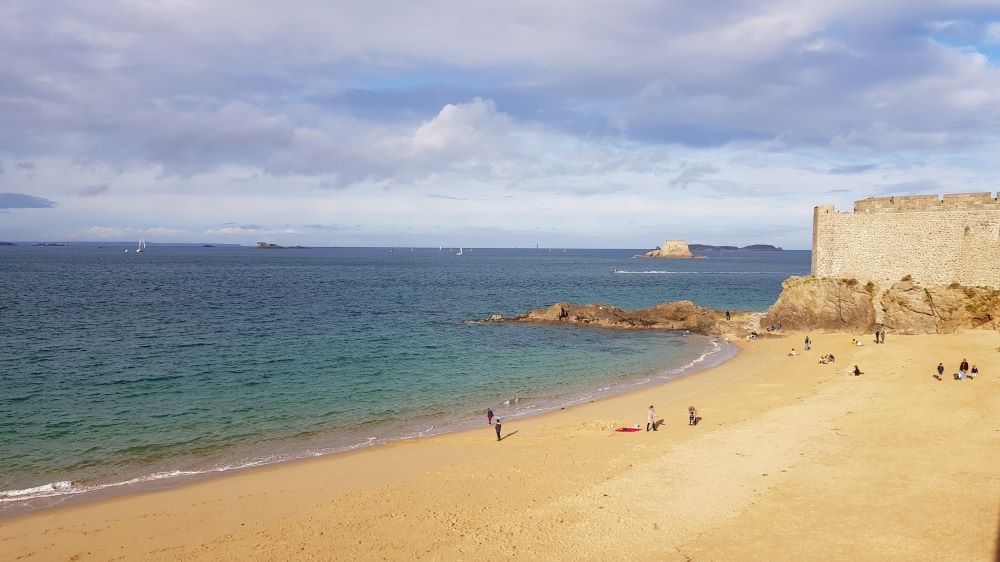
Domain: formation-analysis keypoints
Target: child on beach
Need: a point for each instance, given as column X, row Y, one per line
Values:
column 489, row 416
column 693, row 417
column 973, row 372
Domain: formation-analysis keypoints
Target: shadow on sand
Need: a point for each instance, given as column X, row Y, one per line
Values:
column 502, row 437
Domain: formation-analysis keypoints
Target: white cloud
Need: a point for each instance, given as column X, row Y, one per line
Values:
column 208, row 117
column 992, row 34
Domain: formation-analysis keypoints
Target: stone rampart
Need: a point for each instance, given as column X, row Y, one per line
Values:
column 954, row 239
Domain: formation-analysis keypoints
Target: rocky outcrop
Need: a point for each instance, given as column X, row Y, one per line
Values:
column 815, row 303
column 909, row 308
column 671, row 249
column 680, row 315
column 805, row 303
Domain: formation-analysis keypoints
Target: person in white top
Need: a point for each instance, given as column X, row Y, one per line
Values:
column 650, row 417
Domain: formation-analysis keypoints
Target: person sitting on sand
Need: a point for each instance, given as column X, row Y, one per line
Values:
column 857, row 371
column 822, row 360
column 792, row 353
column 959, row 376
column 693, row 417
column 830, row 358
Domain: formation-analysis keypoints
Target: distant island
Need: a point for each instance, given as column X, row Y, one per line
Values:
column 55, row 244
column 671, row 249
column 758, row 247
column 7, row 244
column 268, row 246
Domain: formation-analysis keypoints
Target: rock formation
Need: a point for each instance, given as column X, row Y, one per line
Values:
column 805, row 303
column 671, row 249
column 815, row 303
column 679, row 315
column 909, row 308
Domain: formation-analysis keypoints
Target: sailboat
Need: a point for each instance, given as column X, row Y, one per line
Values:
column 460, row 252
column 142, row 246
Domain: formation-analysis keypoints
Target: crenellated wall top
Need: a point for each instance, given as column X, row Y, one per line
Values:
column 948, row 202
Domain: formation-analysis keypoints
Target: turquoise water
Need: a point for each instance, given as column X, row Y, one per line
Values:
column 120, row 369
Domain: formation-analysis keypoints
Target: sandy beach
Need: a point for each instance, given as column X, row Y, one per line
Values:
column 793, row 460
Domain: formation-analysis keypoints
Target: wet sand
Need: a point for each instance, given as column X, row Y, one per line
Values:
column 792, row 460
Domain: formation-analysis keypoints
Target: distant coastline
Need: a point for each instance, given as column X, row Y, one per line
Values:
column 756, row 247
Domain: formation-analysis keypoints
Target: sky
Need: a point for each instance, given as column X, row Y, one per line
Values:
column 563, row 123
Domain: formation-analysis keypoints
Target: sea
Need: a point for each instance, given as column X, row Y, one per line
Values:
column 124, row 371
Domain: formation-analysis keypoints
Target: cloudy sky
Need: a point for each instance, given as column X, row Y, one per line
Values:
column 567, row 123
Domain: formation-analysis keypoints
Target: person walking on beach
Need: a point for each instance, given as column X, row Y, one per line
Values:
column 808, row 343
column 496, row 426
column 728, row 316
column 650, row 419
column 940, row 371
column 489, row 416
column 881, row 336
column 963, row 366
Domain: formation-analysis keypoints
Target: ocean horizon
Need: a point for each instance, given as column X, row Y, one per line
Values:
column 122, row 370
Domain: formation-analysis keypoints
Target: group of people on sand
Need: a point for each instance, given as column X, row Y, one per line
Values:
column 827, row 357
column 494, row 421
column 879, row 335
column 652, row 423
column 963, row 371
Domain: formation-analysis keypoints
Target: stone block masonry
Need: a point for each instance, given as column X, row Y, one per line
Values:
column 936, row 241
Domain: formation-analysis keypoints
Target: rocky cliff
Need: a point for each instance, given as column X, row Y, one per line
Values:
column 906, row 307
column 814, row 303
column 671, row 249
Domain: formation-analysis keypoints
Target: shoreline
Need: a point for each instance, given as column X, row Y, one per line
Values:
column 715, row 351
column 791, row 457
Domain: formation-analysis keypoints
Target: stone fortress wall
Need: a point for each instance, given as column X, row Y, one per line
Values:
column 935, row 240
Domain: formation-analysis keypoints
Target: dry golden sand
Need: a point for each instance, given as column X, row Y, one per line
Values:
column 793, row 461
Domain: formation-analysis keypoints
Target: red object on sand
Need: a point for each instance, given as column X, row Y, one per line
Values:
column 627, row 429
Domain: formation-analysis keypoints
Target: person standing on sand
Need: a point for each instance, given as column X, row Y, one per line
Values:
column 963, row 366
column 728, row 316
column 497, row 427
column 940, row 370
column 808, row 343
column 650, row 417
column 489, row 416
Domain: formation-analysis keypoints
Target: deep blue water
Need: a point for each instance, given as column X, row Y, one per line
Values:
column 132, row 367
